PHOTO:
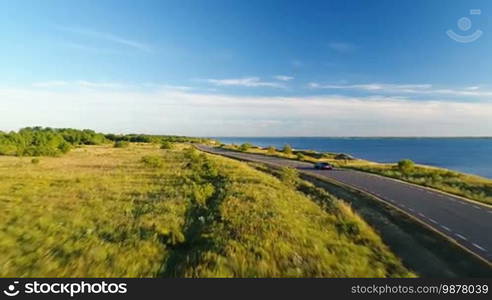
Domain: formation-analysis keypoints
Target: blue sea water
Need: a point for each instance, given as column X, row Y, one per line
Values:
column 468, row 155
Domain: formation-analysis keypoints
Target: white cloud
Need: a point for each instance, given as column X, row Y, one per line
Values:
column 108, row 37
column 49, row 84
column 283, row 77
column 422, row 89
column 373, row 86
column 245, row 82
column 77, row 84
column 174, row 111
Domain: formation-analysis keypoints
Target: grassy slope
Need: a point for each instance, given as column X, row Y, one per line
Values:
column 102, row 211
column 469, row 186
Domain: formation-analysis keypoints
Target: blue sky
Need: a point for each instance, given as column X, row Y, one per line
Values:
column 254, row 68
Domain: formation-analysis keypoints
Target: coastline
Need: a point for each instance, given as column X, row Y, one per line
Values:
column 469, row 186
column 468, row 155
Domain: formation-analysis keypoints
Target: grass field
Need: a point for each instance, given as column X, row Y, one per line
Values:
column 469, row 186
column 142, row 211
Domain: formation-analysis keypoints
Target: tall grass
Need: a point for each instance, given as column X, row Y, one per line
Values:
column 141, row 211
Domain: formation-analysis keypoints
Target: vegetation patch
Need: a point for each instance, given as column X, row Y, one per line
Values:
column 121, row 144
column 153, row 161
column 38, row 141
column 103, row 212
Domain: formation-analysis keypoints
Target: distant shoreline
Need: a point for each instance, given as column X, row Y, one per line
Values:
column 350, row 137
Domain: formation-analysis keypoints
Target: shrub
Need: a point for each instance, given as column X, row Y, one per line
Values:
column 343, row 156
column 245, row 147
column 347, row 228
column 405, row 165
column 166, row 145
column 121, row 144
column 289, row 176
column 271, row 150
column 64, row 147
column 152, row 161
column 287, row 149
column 300, row 156
column 35, row 161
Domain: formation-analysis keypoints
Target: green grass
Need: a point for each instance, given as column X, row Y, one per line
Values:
column 141, row 211
column 469, row 186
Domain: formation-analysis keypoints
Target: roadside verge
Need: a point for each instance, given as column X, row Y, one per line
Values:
column 422, row 248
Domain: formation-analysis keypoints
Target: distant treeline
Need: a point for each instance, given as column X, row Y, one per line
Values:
column 147, row 138
column 39, row 141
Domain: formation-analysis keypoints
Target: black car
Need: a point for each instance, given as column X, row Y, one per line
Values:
column 323, row 166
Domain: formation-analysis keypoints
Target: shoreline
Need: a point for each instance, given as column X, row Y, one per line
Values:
column 469, row 186
column 461, row 160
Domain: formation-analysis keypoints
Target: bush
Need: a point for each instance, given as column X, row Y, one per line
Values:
column 245, row 147
column 35, row 161
column 289, row 176
column 347, row 228
column 166, row 145
column 121, row 144
column 300, row 156
column 64, row 147
column 343, row 156
column 287, row 149
column 405, row 165
column 152, row 161
column 271, row 150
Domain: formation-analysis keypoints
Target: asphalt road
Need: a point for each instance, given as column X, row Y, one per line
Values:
column 467, row 223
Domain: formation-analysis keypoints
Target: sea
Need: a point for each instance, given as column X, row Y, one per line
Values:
column 467, row 155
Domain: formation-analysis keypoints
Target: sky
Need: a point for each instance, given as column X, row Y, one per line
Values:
column 248, row 68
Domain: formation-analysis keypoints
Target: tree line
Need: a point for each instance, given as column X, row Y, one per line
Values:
column 46, row 141
column 39, row 141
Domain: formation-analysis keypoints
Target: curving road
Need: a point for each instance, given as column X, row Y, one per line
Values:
column 467, row 223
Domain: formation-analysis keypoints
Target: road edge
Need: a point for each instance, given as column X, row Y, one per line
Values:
column 372, row 196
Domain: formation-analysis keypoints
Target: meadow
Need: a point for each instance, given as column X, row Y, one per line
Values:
column 145, row 210
column 469, row 186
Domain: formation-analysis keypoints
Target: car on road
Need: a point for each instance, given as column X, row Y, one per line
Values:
column 323, row 166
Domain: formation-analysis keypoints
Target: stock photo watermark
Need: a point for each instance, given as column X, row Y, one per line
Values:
column 68, row 288
column 465, row 24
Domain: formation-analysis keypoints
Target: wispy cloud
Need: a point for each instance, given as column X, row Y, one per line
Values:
column 373, row 86
column 422, row 89
column 90, row 49
column 245, row 82
column 49, row 84
column 175, row 111
column 78, row 84
column 283, row 77
column 342, row 47
column 108, row 37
